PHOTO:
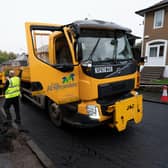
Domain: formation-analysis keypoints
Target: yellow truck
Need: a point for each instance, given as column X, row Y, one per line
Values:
column 83, row 73
column 2, row 82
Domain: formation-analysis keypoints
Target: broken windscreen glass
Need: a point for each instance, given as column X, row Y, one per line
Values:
column 99, row 49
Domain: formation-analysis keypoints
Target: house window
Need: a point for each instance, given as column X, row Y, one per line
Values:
column 153, row 52
column 156, row 49
column 158, row 19
column 161, row 51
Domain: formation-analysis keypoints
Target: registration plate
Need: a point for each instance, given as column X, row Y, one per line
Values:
column 103, row 69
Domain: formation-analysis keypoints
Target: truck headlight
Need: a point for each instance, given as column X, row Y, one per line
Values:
column 93, row 111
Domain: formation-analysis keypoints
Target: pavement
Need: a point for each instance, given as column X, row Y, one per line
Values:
column 19, row 155
column 18, row 150
column 26, row 153
column 154, row 93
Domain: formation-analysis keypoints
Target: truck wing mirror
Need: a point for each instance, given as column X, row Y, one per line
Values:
column 143, row 60
column 79, row 52
column 136, row 54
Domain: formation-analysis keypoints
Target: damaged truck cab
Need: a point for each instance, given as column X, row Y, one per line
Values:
column 83, row 73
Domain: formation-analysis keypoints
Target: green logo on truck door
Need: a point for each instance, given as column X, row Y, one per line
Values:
column 67, row 82
column 67, row 79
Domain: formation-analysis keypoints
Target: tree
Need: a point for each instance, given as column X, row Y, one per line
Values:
column 5, row 56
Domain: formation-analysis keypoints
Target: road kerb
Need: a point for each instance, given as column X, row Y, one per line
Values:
column 47, row 163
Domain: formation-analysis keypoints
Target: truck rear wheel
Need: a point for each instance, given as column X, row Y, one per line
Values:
column 55, row 114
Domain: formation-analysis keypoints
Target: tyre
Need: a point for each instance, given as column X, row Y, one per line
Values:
column 55, row 114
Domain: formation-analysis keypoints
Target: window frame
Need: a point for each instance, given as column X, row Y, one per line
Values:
column 156, row 13
column 156, row 61
column 157, row 46
column 64, row 50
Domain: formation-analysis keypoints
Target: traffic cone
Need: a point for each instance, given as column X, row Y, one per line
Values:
column 164, row 97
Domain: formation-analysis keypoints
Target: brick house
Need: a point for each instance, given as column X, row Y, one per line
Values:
column 155, row 39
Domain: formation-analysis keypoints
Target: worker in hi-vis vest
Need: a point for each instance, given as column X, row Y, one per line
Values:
column 12, row 94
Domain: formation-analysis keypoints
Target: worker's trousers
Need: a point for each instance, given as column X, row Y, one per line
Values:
column 16, row 104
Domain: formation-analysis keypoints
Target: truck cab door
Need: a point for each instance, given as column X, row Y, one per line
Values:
column 53, row 64
column 62, row 51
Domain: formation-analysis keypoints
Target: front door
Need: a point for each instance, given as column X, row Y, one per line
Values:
column 156, row 53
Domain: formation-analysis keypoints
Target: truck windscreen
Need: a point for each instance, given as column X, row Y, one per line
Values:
column 100, row 49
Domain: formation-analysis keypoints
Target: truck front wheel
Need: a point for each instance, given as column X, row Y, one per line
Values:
column 55, row 114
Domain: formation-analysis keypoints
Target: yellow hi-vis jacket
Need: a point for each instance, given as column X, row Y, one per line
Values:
column 13, row 89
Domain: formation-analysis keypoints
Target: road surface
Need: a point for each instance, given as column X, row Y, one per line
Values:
column 142, row 146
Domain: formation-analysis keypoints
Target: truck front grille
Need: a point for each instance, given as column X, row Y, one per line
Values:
column 112, row 89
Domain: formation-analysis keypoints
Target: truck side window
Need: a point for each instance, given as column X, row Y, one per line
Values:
column 40, row 43
column 63, row 55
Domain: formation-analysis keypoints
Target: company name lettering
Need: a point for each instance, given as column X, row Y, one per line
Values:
column 56, row 86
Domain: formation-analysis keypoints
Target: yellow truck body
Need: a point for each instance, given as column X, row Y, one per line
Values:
column 2, row 82
column 83, row 73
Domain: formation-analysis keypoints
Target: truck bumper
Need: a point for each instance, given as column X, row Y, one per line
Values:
column 121, row 113
column 82, row 121
column 126, row 110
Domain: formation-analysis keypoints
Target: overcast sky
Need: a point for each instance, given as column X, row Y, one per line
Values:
column 14, row 13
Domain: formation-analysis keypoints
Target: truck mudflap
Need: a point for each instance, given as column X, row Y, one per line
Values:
column 126, row 110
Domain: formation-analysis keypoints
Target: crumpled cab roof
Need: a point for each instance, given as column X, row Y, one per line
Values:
column 98, row 24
